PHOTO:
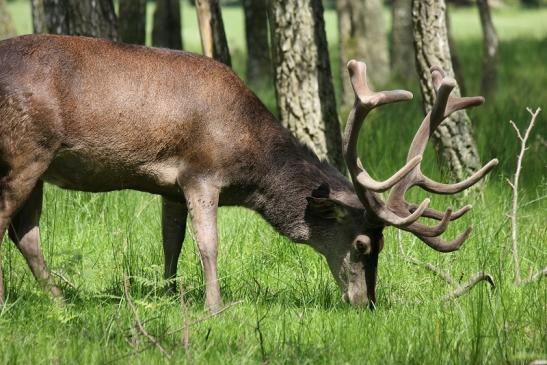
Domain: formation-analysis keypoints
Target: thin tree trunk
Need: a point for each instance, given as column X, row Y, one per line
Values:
column 7, row 28
column 456, row 64
column 453, row 140
column 87, row 18
column 39, row 24
column 302, row 74
column 489, row 72
column 402, row 47
column 259, row 63
column 362, row 35
column 211, row 28
column 167, row 25
column 132, row 21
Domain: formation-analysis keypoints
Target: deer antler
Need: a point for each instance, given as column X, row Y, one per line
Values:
column 396, row 211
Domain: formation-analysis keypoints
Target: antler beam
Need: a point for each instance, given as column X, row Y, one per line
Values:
column 396, row 211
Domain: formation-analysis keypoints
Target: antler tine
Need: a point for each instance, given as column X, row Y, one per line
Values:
column 368, row 98
column 369, row 183
column 444, row 105
column 440, row 188
column 435, row 214
column 443, row 246
column 365, row 101
column 365, row 186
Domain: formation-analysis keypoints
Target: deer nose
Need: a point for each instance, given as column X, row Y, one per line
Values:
column 363, row 244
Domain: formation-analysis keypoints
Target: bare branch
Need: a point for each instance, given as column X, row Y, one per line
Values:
column 61, row 276
column 434, row 269
column 535, row 277
column 464, row 288
column 460, row 290
column 140, row 326
column 515, row 187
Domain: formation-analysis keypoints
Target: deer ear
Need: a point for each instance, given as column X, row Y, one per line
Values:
column 321, row 204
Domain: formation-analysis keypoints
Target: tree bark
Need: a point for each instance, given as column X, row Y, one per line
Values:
column 7, row 27
column 211, row 28
column 86, row 18
column 402, row 47
column 453, row 139
column 132, row 21
column 39, row 24
column 489, row 72
column 302, row 75
column 167, row 25
column 362, row 36
column 259, row 63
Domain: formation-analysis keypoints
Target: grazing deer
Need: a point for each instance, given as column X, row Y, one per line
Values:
column 93, row 115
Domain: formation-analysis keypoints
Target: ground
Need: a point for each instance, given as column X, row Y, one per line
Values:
column 286, row 307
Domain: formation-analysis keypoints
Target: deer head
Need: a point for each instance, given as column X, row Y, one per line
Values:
column 354, row 265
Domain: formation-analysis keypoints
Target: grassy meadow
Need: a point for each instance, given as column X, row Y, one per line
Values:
column 290, row 309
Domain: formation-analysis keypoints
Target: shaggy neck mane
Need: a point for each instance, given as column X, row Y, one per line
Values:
column 294, row 172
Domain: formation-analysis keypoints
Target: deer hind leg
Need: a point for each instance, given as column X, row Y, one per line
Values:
column 24, row 232
column 202, row 200
column 20, row 187
column 173, row 221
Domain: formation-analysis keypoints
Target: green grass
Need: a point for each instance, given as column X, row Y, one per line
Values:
column 289, row 298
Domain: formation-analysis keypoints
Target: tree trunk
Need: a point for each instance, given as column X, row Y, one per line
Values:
column 259, row 64
column 402, row 48
column 7, row 28
column 87, row 18
column 453, row 139
column 132, row 21
column 39, row 24
column 211, row 28
column 489, row 74
column 167, row 25
column 456, row 64
column 363, row 37
column 302, row 75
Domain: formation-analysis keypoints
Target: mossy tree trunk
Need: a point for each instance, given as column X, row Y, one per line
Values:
column 75, row 17
column 302, row 75
column 167, row 25
column 402, row 47
column 211, row 28
column 132, row 21
column 453, row 140
column 7, row 27
column 259, row 63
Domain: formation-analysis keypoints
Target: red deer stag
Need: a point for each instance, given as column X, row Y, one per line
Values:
column 94, row 115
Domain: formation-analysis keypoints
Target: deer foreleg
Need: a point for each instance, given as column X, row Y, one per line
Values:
column 202, row 200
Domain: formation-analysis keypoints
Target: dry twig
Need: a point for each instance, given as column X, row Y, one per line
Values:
column 514, row 208
column 61, row 276
column 459, row 289
column 140, row 326
column 464, row 288
column 170, row 333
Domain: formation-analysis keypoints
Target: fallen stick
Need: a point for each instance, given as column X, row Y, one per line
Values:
column 464, row 288
column 140, row 326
